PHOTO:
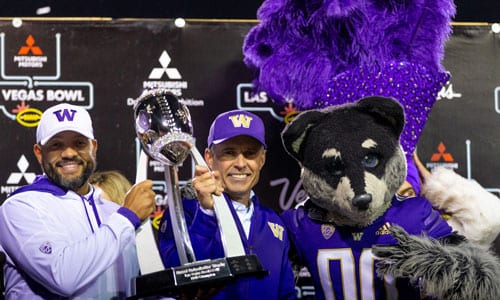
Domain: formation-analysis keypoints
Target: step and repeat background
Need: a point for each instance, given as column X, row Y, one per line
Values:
column 104, row 65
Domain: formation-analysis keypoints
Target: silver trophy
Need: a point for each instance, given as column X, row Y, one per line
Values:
column 163, row 126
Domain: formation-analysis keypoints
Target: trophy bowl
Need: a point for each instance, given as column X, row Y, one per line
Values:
column 163, row 126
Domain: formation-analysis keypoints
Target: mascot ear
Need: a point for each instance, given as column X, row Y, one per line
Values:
column 295, row 133
column 385, row 110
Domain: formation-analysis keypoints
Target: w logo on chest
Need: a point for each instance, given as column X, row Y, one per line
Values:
column 356, row 236
column 65, row 115
column 277, row 230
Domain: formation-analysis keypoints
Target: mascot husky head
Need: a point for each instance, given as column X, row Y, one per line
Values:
column 351, row 159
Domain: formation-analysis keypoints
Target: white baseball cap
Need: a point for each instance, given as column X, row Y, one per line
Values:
column 63, row 117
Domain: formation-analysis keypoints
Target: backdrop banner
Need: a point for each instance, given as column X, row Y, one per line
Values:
column 104, row 65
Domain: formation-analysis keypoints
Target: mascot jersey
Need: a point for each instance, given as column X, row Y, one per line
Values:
column 339, row 258
column 267, row 239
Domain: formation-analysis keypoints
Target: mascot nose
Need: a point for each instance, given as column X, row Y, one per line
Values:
column 362, row 201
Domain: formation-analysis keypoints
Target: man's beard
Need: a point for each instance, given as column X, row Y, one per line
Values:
column 73, row 184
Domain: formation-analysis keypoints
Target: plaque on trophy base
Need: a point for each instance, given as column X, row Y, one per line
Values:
column 205, row 273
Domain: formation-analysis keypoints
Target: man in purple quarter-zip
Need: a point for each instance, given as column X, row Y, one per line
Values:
column 61, row 239
column 235, row 154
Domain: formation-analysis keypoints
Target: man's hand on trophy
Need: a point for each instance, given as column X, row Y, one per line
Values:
column 206, row 183
column 141, row 199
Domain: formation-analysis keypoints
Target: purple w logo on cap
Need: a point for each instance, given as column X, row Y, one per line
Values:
column 63, row 114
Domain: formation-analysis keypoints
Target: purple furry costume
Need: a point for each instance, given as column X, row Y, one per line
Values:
column 315, row 54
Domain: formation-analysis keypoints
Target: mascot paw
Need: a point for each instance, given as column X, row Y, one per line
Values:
column 412, row 256
column 445, row 271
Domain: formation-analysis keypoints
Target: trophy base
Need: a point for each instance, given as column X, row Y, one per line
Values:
column 214, row 272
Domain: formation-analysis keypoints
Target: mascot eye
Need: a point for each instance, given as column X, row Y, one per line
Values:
column 370, row 161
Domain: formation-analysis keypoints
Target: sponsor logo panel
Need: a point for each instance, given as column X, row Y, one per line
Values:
column 25, row 93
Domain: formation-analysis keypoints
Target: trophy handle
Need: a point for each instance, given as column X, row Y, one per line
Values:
column 147, row 249
column 231, row 239
column 176, row 211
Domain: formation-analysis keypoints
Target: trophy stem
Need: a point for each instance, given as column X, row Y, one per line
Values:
column 179, row 227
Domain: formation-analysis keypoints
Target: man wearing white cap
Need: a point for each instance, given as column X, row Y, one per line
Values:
column 61, row 239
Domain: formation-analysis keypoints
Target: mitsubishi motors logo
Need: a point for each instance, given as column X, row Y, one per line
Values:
column 15, row 177
column 172, row 73
column 441, row 154
column 442, row 158
column 172, row 82
column 30, row 55
column 30, row 47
